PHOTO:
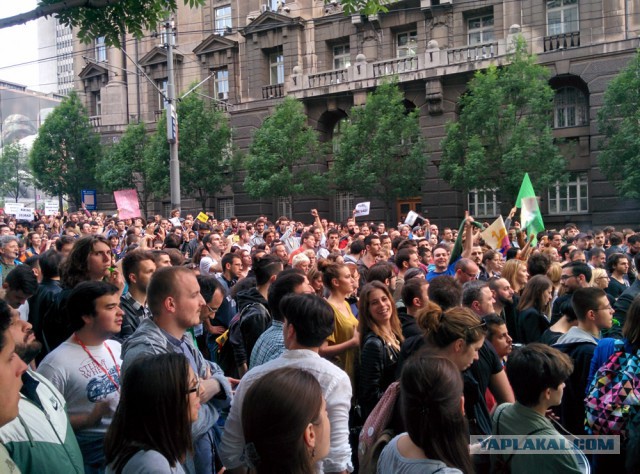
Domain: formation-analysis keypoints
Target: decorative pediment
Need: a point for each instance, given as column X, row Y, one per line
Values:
column 214, row 43
column 269, row 21
column 156, row 56
column 92, row 70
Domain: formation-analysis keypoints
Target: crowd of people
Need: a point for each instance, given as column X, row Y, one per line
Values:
column 180, row 344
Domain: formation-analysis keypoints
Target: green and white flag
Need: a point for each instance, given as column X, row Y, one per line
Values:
column 530, row 213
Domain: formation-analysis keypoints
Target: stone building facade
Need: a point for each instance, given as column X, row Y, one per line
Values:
column 256, row 52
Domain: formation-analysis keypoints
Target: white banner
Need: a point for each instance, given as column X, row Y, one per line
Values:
column 12, row 207
column 50, row 208
column 25, row 214
column 362, row 209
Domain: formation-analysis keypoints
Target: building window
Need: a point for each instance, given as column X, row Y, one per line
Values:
column 284, row 207
column 569, row 108
column 480, row 29
column 341, row 56
column 407, row 44
column 222, row 19
column 562, row 17
column 163, row 87
column 484, row 203
column 96, row 103
column 101, row 49
column 276, row 67
column 344, row 205
column 225, row 208
column 337, row 135
column 571, row 197
column 221, row 84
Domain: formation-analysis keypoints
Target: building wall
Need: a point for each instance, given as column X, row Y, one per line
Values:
column 433, row 80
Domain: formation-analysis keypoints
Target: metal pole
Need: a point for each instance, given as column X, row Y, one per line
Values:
column 172, row 121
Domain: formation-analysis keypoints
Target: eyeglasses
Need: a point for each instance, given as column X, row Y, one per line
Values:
column 195, row 389
column 211, row 310
column 608, row 308
column 566, row 277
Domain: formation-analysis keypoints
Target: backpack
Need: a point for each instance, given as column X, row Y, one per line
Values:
column 613, row 398
column 233, row 337
column 377, row 431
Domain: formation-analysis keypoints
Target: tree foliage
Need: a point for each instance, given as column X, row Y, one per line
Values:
column 64, row 155
column 364, row 7
column 381, row 151
column 504, row 130
column 207, row 158
column 125, row 165
column 15, row 176
column 91, row 19
column 619, row 122
column 281, row 156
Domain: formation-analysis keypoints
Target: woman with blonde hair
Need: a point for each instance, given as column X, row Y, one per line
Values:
column 381, row 336
column 515, row 271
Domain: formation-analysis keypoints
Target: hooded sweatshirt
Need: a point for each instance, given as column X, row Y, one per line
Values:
column 579, row 345
column 255, row 319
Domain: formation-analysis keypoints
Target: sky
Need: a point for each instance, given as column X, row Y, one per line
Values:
column 19, row 45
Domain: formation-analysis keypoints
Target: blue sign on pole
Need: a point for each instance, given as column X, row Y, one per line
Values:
column 89, row 199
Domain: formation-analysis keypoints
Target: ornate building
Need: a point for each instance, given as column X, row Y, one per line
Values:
column 256, row 53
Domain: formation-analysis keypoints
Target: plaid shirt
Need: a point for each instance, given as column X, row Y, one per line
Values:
column 269, row 345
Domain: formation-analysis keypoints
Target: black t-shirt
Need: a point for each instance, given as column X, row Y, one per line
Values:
column 487, row 365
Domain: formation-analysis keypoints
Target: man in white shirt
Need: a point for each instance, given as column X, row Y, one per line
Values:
column 308, row 321
column 86, row 367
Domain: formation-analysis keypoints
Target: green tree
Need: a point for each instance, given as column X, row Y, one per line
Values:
column 64, row 155
column 504, row 130
column 111, row 19
column 381, row 151
column 156, row 157
column 125, row 165
column 207, row 157
column 619, row 122
column 15, row 176
column 281, row 157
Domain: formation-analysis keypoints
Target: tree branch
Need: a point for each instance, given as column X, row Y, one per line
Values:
column 52, row 9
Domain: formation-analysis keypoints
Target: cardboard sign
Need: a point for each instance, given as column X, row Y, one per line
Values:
column 127, row 203
column 362, row 208
column 50, row 208
column 12, row 207
column 202, row 217
column 25, row 214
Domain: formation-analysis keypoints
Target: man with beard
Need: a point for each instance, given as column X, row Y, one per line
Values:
column 505, row 302
column 41, row 438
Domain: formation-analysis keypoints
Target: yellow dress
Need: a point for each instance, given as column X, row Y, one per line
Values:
column 345, row 325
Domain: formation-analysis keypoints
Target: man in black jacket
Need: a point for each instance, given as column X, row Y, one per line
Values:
column 137, row 268
column 254, row 317
column 47, row 291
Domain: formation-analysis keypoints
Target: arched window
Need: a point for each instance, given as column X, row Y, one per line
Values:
column 337, row 134
column 569, row 108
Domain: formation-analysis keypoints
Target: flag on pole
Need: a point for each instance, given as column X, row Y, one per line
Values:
column 530, row 213
column 496, row 236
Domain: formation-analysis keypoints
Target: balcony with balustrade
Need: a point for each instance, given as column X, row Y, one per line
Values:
column 363, row 74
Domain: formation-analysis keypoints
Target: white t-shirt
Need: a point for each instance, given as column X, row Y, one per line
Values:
column 81, row 381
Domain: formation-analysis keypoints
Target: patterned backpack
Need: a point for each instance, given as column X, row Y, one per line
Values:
column 613, row 398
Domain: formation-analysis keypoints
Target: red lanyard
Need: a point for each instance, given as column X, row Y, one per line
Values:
column 106, row 372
